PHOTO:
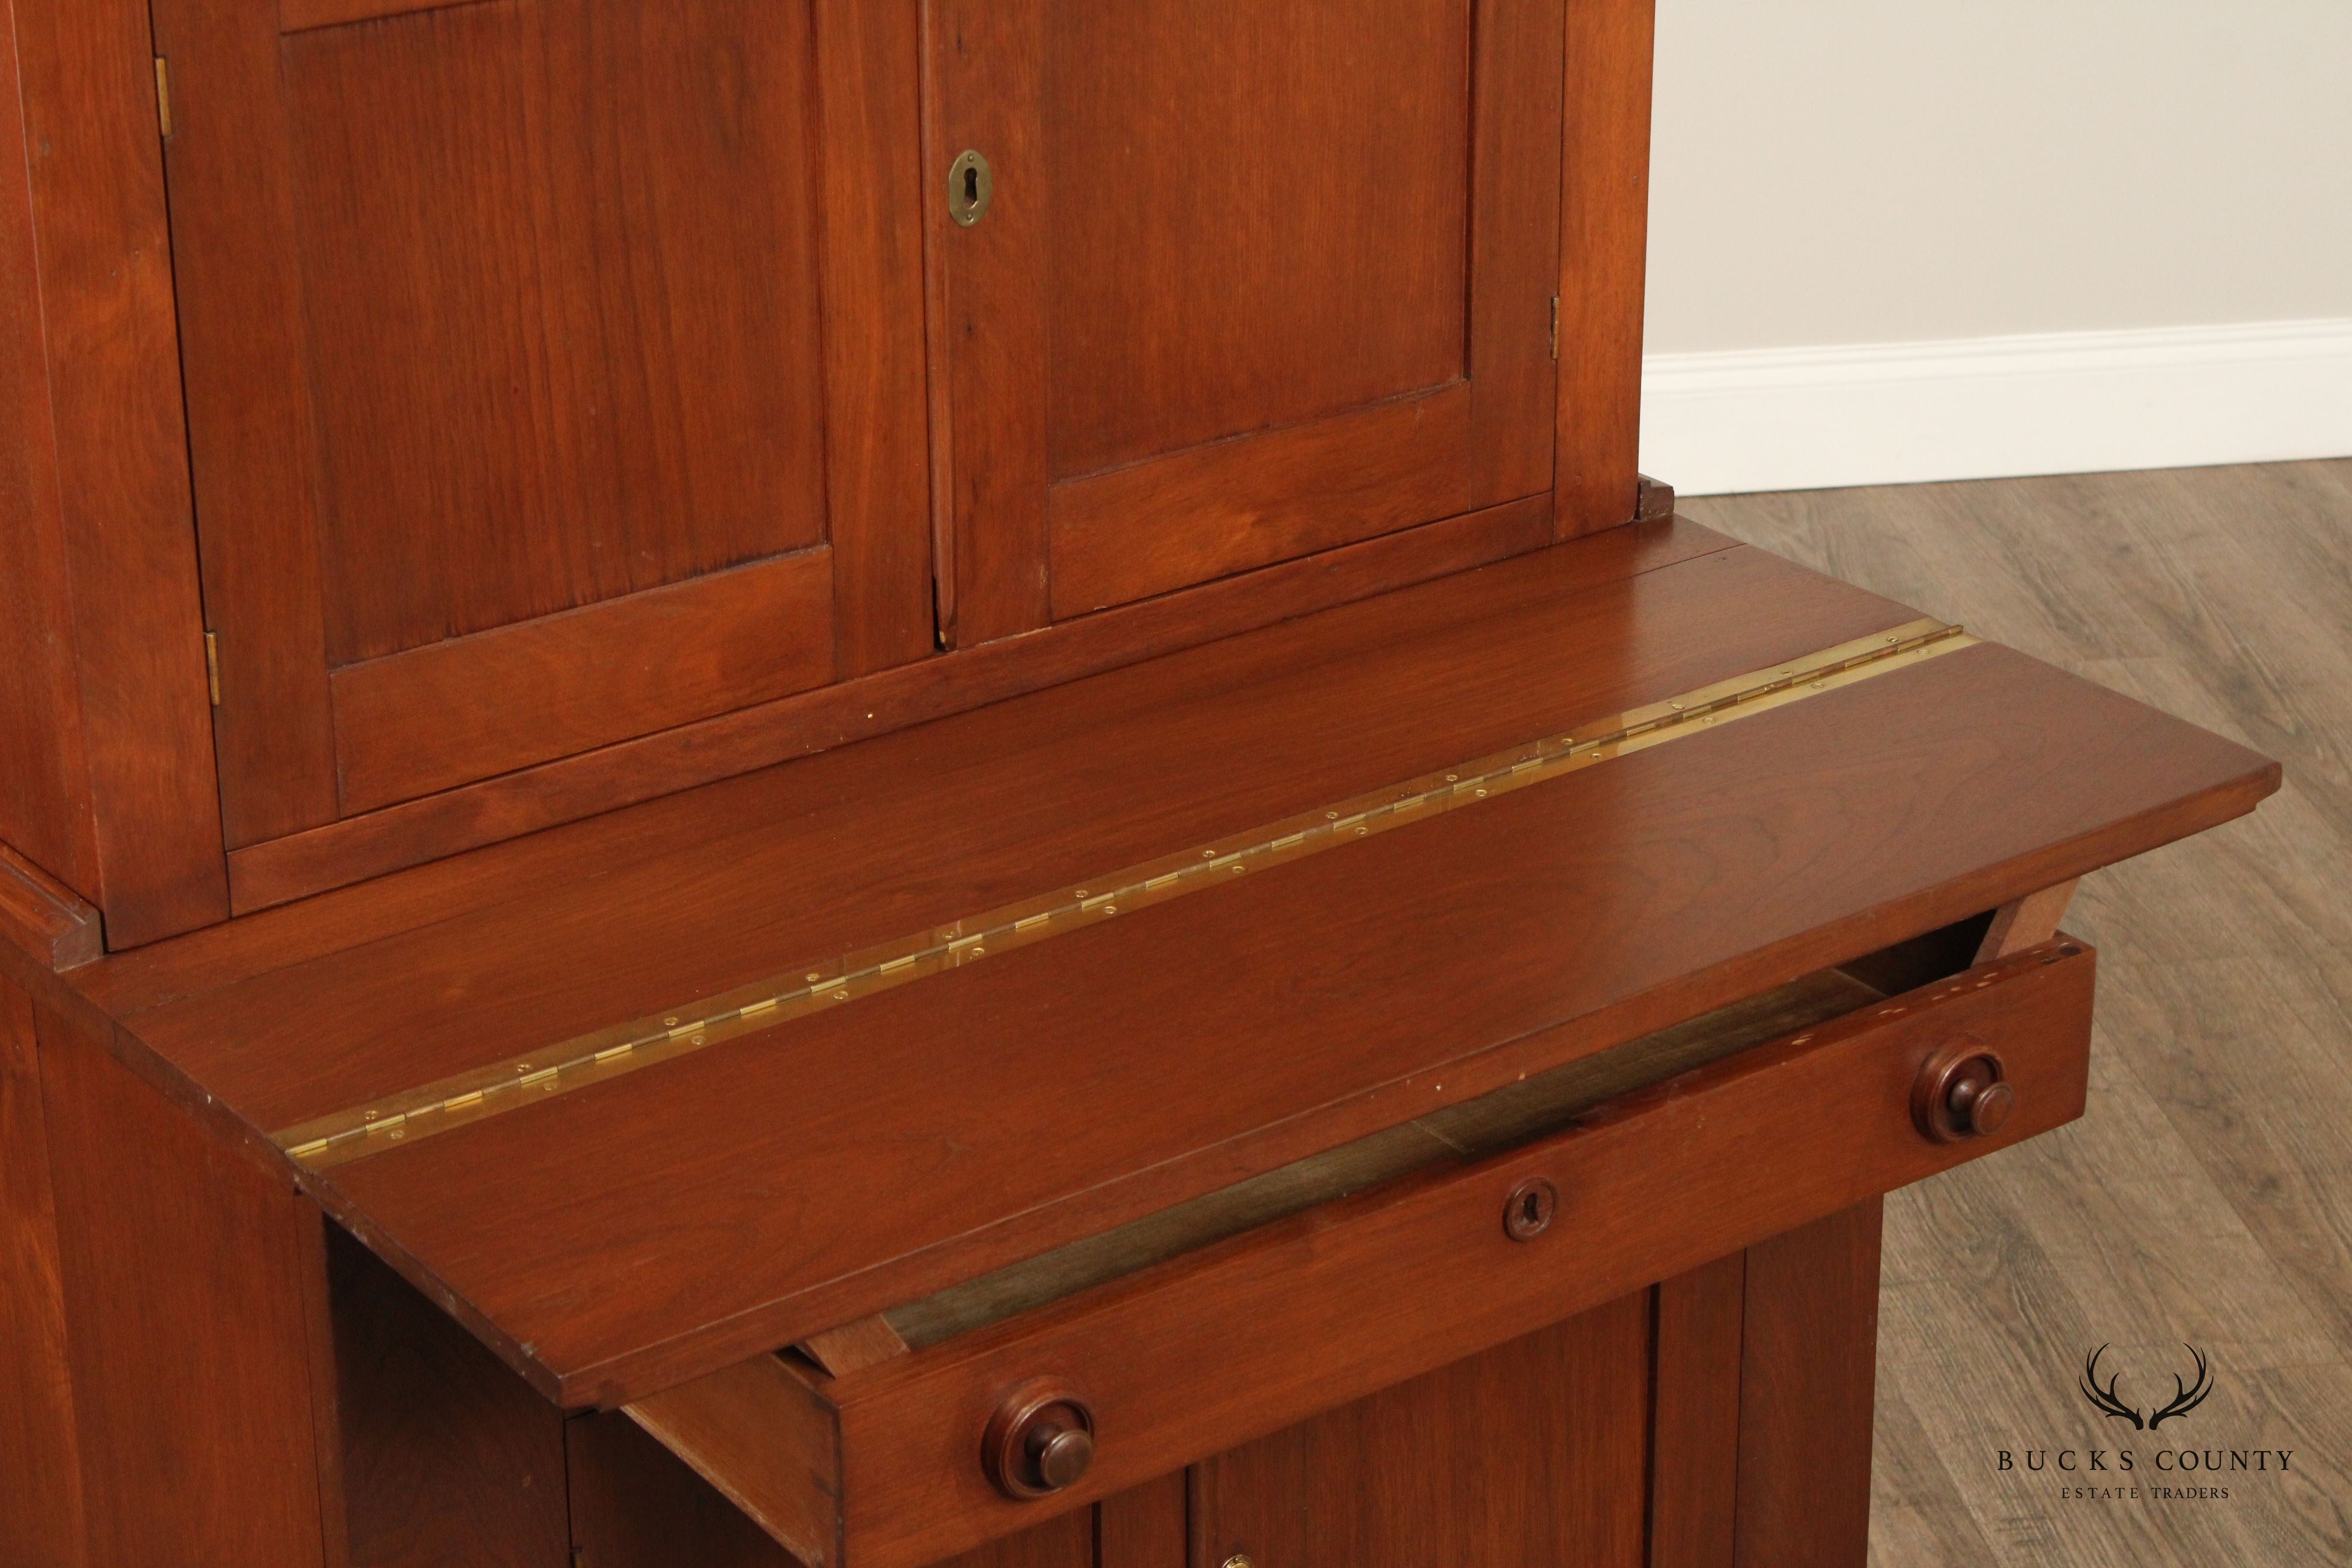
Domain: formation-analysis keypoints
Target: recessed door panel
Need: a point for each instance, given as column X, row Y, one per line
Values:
column 1233, row 183
column 560, row 269
column 554, row 373
column 1256, row 279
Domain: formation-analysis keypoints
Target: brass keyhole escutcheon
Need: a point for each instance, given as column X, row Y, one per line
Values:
column 971, row 186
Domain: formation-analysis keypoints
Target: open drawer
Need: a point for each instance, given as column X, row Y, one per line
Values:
column 1510, row 1213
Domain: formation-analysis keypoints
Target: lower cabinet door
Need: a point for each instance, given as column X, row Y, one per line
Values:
column 1533, row 1452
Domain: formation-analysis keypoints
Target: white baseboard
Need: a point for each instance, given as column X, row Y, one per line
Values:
column 2058, row 402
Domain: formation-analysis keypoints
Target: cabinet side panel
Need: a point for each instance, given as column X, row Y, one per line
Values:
column 635, row 1505
column 449, row 1459
column 40, row 1476
column 1604, row 246
column 45, row 783
column 184, row 1270
column 1809, row 1369
column 87, row 76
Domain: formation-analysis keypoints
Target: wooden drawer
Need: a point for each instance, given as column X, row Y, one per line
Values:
column 882, row 1468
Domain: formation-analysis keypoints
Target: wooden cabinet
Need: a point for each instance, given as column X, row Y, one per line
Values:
column 882, row 782
column 1256, row 280
column 575, row 401
column 541, row 405
column 554, row 376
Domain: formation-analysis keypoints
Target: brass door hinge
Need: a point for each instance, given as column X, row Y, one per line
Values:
column 212, row 666
column 163, row 95
column 1555, row 326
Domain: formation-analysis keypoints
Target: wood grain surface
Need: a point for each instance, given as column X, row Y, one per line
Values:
column 1605, row 241
column 186, row 1234
column 451, row 713
column 1695, row 1415
column 40, row 1445
column 2207, row 1196
column 610, row 373
column 503, row 316
column 86, row 91
column 1394, row 968
column 1259, row 279
column 634, row 1504
column 1257, row 215
column 1809, row 1361
column 1420, row 1269
column 45, row 805
column 45, row 922
column 632, row 772
column 1701, row 872
column 447, row 1459
column 1248, row 502
column 1322, row 707
column 1529, row 1453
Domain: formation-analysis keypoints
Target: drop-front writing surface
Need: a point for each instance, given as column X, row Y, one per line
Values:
column 554, row 373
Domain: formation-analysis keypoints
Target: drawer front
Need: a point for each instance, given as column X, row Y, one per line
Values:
column 1193, row 1356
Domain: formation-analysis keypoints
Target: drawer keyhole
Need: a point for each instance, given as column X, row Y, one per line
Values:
column 1527, row 1214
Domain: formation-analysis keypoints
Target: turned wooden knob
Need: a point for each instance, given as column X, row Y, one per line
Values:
column 1979, row 1106
column 1041, row 1440
column 1059, row 1455
column 1962, row 1092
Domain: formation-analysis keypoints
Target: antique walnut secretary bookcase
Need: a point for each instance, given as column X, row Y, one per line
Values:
column 870, row 782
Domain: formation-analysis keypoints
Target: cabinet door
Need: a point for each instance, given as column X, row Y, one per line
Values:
column 554, row 373
column 1535, row 1452
column 1255, row 279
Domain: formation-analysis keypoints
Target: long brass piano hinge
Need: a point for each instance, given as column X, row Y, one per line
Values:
column 562, row 1067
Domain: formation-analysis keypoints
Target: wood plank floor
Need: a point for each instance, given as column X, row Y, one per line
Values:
column 2207, row 1197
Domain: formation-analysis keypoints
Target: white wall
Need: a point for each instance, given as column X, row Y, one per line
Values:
column 1833, row 172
